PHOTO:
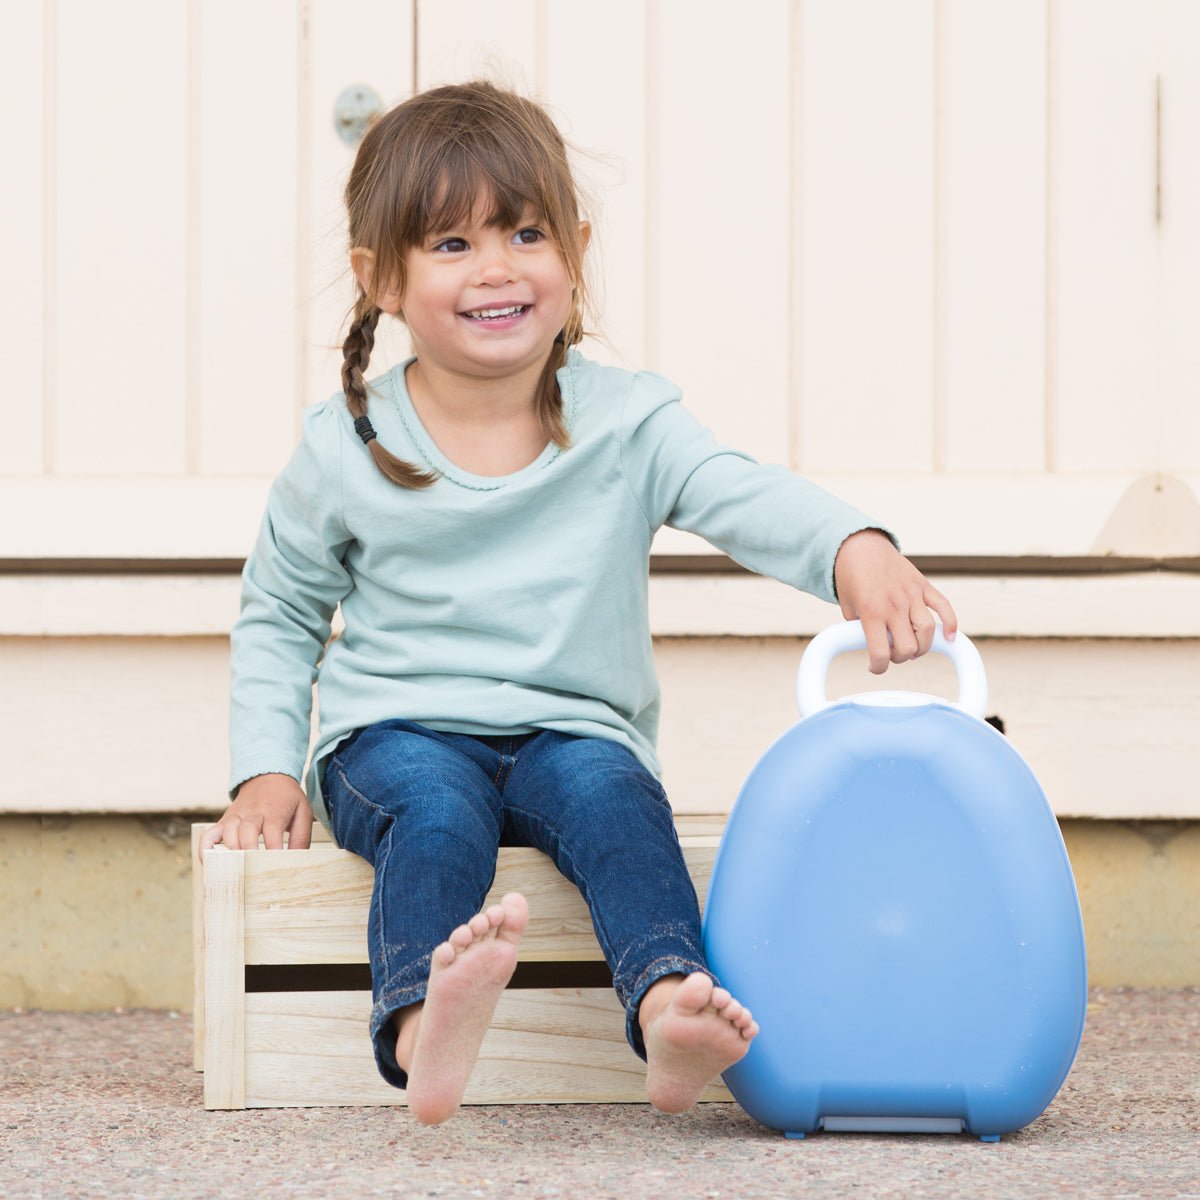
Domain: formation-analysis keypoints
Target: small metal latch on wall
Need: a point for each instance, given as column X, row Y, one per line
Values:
column 353, row 110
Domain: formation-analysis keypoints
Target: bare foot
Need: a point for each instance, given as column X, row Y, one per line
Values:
column 468, row 972
column 693, row 1031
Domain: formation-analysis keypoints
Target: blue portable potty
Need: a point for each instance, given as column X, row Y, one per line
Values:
column 893, row 902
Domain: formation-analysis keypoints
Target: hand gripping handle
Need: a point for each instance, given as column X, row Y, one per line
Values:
column 840, row 639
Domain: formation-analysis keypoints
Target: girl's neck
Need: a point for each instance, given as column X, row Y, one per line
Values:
column 447, row 397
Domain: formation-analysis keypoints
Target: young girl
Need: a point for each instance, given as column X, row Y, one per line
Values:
column 483, row 513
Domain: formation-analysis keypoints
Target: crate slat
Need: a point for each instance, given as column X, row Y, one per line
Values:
column 545, row 1046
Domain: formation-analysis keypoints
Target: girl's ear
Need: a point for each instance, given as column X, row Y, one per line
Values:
column 585, row 233
column 362, row 262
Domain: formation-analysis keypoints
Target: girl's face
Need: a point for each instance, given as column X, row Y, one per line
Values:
column 485, row 301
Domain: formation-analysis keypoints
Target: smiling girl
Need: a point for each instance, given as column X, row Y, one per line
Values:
column 483, row 513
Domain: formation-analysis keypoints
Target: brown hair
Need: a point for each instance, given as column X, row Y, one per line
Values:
column 421, row 167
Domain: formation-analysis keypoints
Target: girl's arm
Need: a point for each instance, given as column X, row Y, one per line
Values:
column 291, row 585
column 775, row 522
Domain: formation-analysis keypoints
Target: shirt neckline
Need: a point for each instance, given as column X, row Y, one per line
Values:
column 428, row 448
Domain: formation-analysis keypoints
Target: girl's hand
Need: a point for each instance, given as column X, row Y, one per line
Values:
column 267, row 805
column 878, row 586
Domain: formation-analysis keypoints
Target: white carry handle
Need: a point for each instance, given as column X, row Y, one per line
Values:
column 839, row 639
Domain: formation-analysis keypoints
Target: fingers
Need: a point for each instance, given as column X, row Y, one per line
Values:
column 266, row 807
column 878, row 650
column 940, row 605
column 923, row 628
column 208, row 839
column 300, row 831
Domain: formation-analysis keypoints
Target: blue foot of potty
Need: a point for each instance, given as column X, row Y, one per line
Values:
column 989, row 1137
column 794, row 1135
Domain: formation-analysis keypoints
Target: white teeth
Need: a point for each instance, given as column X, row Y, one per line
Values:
column 512, row 310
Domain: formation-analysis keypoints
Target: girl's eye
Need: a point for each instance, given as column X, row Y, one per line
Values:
column 536, row 235
column 451, row 245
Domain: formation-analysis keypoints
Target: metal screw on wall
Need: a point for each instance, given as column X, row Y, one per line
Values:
column 353, row 111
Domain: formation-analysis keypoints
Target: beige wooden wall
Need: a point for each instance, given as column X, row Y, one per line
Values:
column 939, row 255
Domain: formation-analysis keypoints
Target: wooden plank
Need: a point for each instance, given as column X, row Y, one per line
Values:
column 224, row 979
column 991, row 236
column 1179, row 237
column 1137, row 604
column 120, row 284
column 687, row 824
column 1042, row 515
column 1104, row 239
column 313, row 907
column 246, row 385
column 198, row 829
column 132, row 517
column 23, row 87
column 469, row 39
column 549, row 1046
column 340, row 57
column 718, row 225
column 608, row 126
column 864, row 258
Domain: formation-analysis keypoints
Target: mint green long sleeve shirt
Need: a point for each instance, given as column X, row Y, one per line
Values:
column 494, row 605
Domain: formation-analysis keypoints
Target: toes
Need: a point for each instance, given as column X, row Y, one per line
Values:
column 444, row 954
column 693, row 994
column 479, row 924
column 732, row 1010
column 516, row 916
column 462, row 937
column 720, row 998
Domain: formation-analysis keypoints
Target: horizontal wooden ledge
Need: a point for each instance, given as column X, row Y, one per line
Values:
column 1138, row 604
column 712, row 563
column 1086, row 513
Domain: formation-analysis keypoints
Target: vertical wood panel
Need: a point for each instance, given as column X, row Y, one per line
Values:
column 468, row 39
column 993, row 236
column 585, row 45
column 340, row 58
column 1179, row 238
column 1105, row 236
column 866, row 253
column 121, row 262
column 22, row 84
column 248, row 238
column 719, row 232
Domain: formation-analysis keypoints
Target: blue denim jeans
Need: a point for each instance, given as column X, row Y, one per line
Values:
column 429, row 810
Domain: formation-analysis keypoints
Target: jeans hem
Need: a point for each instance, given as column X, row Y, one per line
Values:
column 670, row 965
column 382, row 1036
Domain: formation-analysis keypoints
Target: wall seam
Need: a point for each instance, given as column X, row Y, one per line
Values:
column 650, row 206
column 193, row 302
column 49, row 233
column 1050, row 336
column 795, row 429
column 939, row 346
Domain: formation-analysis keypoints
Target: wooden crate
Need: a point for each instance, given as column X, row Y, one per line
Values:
column 296, row 1045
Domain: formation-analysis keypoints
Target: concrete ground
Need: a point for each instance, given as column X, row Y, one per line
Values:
column 106, row 1104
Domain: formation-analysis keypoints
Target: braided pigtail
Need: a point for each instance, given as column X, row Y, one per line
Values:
column 356, row 355
column 549, row 395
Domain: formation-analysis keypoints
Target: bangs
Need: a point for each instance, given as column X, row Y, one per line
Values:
column 462, row 183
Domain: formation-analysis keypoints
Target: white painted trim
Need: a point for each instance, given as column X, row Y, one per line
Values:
column 1138, row 605
column 947, row 515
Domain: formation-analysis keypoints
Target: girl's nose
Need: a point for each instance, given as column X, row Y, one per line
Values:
column 497, row 266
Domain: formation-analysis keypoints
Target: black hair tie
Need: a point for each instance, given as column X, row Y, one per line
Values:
column 365, row 430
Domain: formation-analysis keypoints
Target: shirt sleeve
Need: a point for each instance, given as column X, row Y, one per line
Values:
column 763, row 516
column 291, row 585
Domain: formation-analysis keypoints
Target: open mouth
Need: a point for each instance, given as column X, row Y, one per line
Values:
column 498, row 314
